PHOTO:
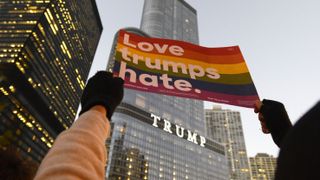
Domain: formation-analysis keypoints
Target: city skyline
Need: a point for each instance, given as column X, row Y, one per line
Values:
column 271, row 36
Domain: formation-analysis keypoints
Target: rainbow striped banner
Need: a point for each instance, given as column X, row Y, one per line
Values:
column 182, row 69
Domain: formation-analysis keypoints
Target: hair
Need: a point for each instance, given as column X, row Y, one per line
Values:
column 14, row 167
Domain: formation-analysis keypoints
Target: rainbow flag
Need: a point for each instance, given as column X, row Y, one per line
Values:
column 182, row 69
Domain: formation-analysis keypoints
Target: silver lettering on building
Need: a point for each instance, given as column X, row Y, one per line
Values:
column 180, row 131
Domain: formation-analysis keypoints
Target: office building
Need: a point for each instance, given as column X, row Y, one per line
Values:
column 159, row 153
column 225, row 127
column 46, row 51
column 263, row 166
column 142, row 148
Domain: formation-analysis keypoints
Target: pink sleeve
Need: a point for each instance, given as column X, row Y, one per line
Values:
column 79, row 152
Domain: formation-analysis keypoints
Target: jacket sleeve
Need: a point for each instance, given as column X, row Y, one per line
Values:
column 79, row 152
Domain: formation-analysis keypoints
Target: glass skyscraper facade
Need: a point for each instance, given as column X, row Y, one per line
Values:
column 140, row 150
column 263, row 166
column 170, row 19
column 225, row 126
column 46, row 51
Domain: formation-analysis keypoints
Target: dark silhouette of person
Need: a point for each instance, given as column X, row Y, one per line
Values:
column 299, row 155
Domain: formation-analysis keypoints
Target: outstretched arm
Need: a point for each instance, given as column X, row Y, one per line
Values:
column 79, row 152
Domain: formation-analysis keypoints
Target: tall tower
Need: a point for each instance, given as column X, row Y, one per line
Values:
column 263, row 166
column 162, row 154
column 173, row 19
column 225, row 127
column 46, row 51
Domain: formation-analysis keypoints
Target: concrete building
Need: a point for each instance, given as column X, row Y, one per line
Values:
column 46, row 51
column 225, row 127
column 263, row 166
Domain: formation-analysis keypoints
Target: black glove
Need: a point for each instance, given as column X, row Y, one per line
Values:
column 276, row 119
column 102, row 89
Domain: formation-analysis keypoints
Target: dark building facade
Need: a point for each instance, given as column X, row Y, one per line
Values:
column 159, row 153
column 46, row 51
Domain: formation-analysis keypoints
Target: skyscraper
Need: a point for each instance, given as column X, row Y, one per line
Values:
column 263, row 166
column 162, row 154
column 225, row 127
column 46, row 50
column 173, row 20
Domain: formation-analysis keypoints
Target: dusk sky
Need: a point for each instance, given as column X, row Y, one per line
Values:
column 279, row 41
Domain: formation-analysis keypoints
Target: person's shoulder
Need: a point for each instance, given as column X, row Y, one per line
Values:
column 309, row 121
column 312, row 115
column 299, row 153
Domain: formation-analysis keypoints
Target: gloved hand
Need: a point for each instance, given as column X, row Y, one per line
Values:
column 102, row 89
column 274, row 119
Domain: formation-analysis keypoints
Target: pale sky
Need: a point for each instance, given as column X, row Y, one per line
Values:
column 279, row 41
